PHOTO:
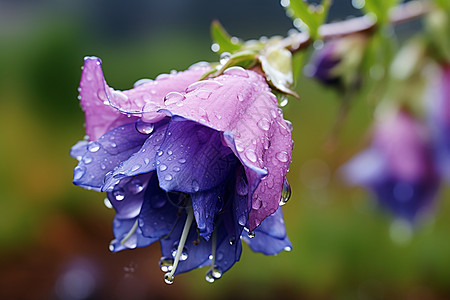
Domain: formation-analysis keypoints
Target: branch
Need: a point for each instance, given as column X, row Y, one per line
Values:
column 399, row 14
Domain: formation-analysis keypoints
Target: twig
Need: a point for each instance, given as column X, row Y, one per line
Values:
column 399, row 14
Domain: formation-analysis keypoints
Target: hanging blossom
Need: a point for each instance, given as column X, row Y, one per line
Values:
column 438, row 100
column 398, row 167
column 196, row 165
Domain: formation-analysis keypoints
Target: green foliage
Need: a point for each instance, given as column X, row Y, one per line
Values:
column 310, row 14
column 221, row 37
column 380, row 8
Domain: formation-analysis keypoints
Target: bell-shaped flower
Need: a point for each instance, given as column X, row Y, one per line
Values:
column 192, row 164
column 398, row 167
column 438, row 100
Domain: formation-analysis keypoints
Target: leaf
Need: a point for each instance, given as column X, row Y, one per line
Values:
column 311, row 14
column 223, row 39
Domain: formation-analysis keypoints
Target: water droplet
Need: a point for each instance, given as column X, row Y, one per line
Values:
column 146, row 160
column 232, row 240
column 242, row 220
column 78, row 172
column 251, row 234
column 118, row 194
column 173, row 97
column 284, row 101
column 251, row 155
column 224, row 57
column 135, row 186
column 287, row 248
column 168, row 278
column 285, row 193
column 213, row 274
column 102, row 166
column 93, row 147
column 176, row 169
column 87, row 159
column 215, row 47
column 142, row 81
column 289, row 125
column 112, row 245
column 240, row 97
column 131, row 242
column 114, row 145
column 145, row 128
column 256, row 203
column 195, row 185
column 282, row 156
column 182, row 160
column 135, row 168
column 264, row 124
column 166, row 264
column 168, row 177
column 107, row 203
column 184, row 254
column 236, row 71
column 162, row 167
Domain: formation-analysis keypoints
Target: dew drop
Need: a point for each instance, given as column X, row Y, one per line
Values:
column 119, row 194
column 169, row 152
column 287, row 248
column 102, row 166
column 176, row 169
column 251, row 155
column 112, row 246
column 87, row 159
column 107, row 203
column 145, row 128
column 215, row 47
column 284, row 101
column 257, row 203
column 236, row 71
column 285, row 193
column 142, row 81
column 213, row 274
column 232, row 240
column 282, row 156
column 168, row 177
column 131, row 242
column 173, row 97
column 240, row 97
column 93, row 147
column 135, row 168
column 146, row 160
column 166, row 264
column 182, row 160
column 184, row 254
column 251, row 234
column 78, row 172
column 160, row 153
column 114, row 145
column 224, row 57
column 195, row 185
column 264, row 124
column 135, row 186
column 162, row 167
column 242, row 220
column 168, row 278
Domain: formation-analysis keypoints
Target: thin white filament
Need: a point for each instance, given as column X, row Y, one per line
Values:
column 130, row 233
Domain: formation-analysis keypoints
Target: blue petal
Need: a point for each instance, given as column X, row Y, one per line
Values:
column 103, row 155
column 79, row 149
column 242, row 198
column 270, row 237
column 159, row 211
column 192, row 158
column 128, row 195
column 206, row 205
column 197, row 254
column 127, row 237
column 142, row 161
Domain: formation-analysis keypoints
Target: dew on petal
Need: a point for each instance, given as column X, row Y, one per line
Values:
column 93, row 147
column 145, row 128
column 173, row 97
column 166, row 264
column 251, row 155
column 282, row 156
column 264, row 124
column 119, row 194
column 78, row 172
column 285, row 193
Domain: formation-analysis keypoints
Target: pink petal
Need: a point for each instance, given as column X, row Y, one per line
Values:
column 106, row 108
column 240, row 103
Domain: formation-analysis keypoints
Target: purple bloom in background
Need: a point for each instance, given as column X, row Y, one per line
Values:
column 193, row 164
column 398, row 167
column 438, row 100
column 323, row 63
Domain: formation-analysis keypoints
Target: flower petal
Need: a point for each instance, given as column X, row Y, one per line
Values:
column 128, row 235
column 192, row 158
column 240, row 102
column 128, row 196
column 103, row 155
column 270, row 237
column 142, row 161
column 100, row 116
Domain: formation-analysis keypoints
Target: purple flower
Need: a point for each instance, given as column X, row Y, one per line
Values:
column 322, row 64
column 398, row 166
column 438, row 98
column 193, row 164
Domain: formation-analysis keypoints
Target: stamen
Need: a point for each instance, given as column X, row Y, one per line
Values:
column 130, row 233
column 168, row 277
column 214, row 272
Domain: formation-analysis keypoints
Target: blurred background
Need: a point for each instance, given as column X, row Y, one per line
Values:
column 54, row 236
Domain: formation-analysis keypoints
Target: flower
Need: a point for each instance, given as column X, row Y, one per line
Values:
column 193, row 164
column 398, row 166
column 438, row 100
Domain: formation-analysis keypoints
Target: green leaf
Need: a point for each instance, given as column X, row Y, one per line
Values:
column 380, row 8
column 311, row 15
column 223, row 39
